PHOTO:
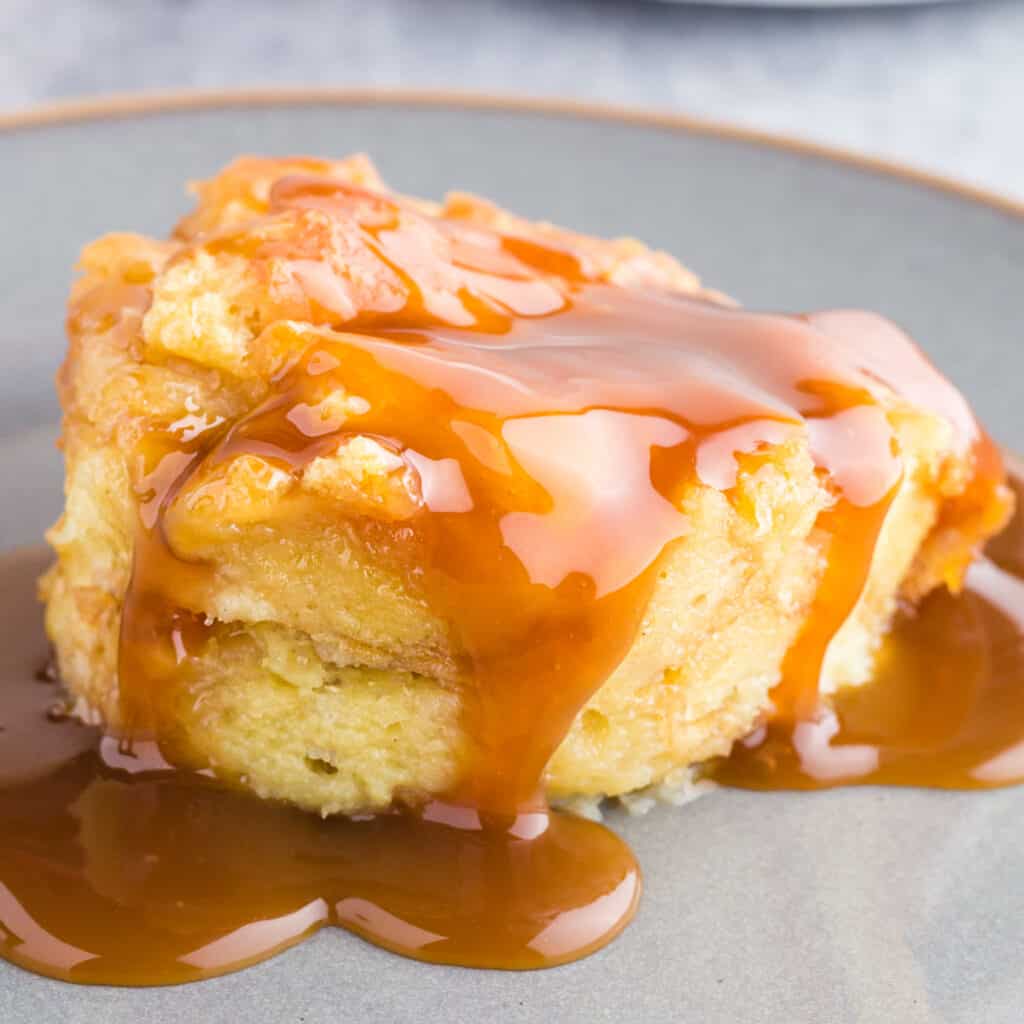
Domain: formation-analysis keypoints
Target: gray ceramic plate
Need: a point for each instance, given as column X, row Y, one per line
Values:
column 870, row 905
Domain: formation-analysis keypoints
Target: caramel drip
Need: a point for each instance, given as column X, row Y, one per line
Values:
column 852, row 535
column 945, row 705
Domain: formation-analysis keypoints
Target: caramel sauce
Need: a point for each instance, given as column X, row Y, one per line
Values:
column 945, row 705
column 116, row 868
column 599, row 403
column 548, row 423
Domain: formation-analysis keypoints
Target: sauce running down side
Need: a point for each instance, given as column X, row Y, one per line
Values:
column 548, row 423
column 944, row 708
column 117, row 868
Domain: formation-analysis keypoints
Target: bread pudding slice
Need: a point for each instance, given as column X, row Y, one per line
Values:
column 370, row 498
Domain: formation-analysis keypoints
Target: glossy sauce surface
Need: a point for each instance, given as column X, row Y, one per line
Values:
column 547, row 422
column 117, row 868
column 945, row 707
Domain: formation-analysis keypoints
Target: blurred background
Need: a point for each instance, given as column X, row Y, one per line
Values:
column 939, row 86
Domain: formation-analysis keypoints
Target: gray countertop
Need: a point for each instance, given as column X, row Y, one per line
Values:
column 936, row 86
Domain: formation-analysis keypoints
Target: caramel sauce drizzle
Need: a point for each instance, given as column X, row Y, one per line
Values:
column 549, row 423
column 944, row 708
column 117, row 868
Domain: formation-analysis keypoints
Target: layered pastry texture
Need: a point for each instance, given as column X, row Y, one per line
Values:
column 369, row 499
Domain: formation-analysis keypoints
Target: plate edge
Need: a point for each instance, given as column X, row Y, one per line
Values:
column 125, row 105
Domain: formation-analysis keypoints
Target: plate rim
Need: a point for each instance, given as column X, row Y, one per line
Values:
column 123, row 105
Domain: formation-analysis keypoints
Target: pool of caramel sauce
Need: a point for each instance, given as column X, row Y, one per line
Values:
column 117, row 868
column 522, row 407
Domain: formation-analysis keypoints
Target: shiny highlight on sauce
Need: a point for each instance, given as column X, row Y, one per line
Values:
column 945, row 705
column 548, row 422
